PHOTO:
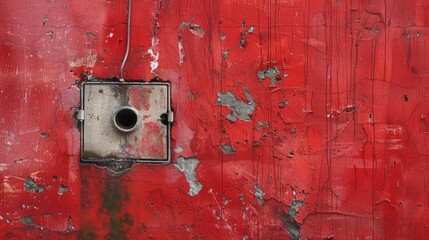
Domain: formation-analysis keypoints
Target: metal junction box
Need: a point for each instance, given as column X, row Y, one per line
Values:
column 125, row 121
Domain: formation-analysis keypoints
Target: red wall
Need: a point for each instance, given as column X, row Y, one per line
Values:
column 337, row 149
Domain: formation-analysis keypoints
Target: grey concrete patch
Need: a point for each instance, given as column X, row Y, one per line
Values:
column 188, row 166
column 239, row 108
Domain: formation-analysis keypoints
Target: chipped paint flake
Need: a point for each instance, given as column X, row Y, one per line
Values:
column 62, row 189
column 225, row 54
column 292, row 226
column 271, row 73
column 227, row 149
column 30, row 185
column 27, row 221
column 231, row 117
column 283, row 103
column 242, row 40
column 154, row 54
column 239, row 108
column 262, row 125
column 244, row 34
column 193, row 28
column 188, row 166
column 292, row 208
column 259, row 194
column 222, row 36
column 178, row 149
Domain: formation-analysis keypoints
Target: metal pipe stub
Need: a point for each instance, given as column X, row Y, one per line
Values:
column 125, row 118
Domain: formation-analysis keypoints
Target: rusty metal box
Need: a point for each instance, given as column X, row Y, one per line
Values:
column 125, row 121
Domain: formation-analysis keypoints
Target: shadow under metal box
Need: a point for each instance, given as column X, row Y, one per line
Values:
column 125, row 121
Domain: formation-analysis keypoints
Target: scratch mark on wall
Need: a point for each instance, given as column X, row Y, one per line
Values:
column 153, row 50
column 181, row 49
column 188, row 166
column 45, row 19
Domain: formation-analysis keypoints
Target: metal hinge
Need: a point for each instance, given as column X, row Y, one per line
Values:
column 170, row 117
column 80, row 114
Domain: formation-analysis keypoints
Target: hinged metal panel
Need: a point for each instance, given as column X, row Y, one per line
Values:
column 125, row 121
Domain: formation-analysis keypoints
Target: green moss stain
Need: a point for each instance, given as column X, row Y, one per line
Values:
column 112, row 203
column 86, row 234
column 117, row 230
column 128, row 219
column 111, row 196
column 119, row 226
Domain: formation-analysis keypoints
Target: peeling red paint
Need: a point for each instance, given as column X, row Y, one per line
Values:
column 342, row 127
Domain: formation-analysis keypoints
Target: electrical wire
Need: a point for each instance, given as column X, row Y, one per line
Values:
column 128, row 42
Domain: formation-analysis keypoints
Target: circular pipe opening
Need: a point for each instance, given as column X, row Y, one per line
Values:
column 125, row 119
